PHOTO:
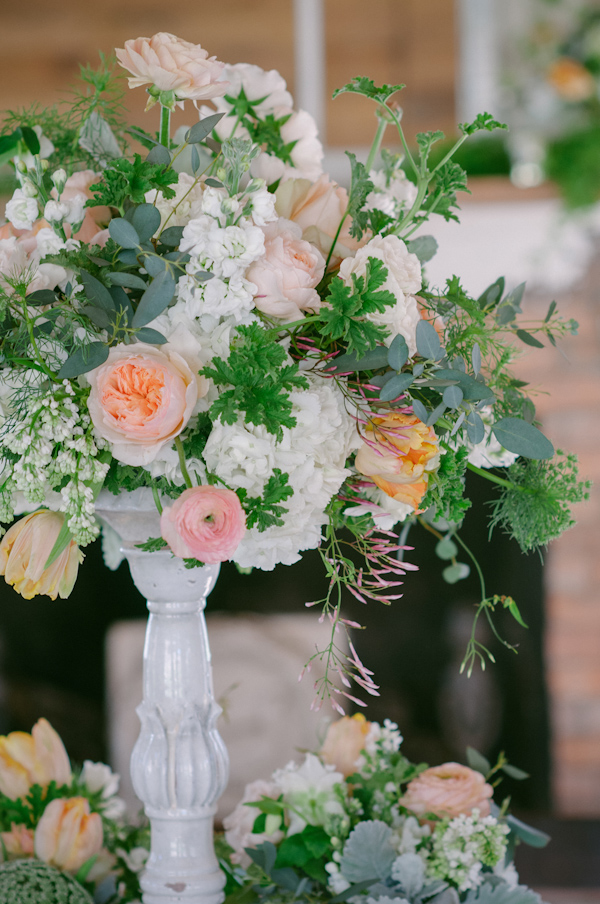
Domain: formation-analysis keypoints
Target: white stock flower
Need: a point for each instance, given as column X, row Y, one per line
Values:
column 100, row 777
column 390, row 197
column 403, row 279
column 56, row 211
column 21, row 211
column 185, row 206
column 13, row 259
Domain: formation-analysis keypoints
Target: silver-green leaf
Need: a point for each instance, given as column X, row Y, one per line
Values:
column 522, row 438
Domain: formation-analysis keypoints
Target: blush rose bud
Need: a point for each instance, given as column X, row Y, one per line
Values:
column 204, row 523
column 25, row 549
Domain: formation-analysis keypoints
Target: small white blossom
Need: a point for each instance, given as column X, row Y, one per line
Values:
column 21, row 211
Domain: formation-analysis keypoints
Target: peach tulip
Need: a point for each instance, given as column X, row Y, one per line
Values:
column 344, row 742
column 28, row 759
column 18, row 842
column 68, row 833
column 24, row 551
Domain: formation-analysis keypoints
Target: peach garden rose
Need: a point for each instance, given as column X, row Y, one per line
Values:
column 141, row 399
column 25, row 549
column 172, row 64
column 448, row 790
column 204, row 523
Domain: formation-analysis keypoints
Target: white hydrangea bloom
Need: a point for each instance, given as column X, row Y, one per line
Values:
column 313, row 454
column 390, row 196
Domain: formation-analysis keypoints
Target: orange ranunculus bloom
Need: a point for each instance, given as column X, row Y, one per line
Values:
column 68, row 834
column 397, row 453
column 24, row 551
column 344, row 742
column 29, row 759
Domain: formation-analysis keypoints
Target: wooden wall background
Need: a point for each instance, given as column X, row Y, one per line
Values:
column 42, row 43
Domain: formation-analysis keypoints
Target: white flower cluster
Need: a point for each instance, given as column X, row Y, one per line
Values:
column 100, row 777
column 223, row 238
column 462, row 846
column 392, row 192
column 312, row 793
column 313, row 454
column 54, row 440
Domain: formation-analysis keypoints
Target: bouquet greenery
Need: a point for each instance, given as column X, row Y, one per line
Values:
column 61, row 829
column 358, row 822
column 206, row 315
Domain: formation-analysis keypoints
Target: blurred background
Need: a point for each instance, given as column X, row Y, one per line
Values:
column 534, row 215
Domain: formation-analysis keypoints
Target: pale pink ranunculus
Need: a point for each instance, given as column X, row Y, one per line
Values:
column 204, row 523
column 318, row 208
column 140, row 400
column 286, row 275
column 24, row 551
column 344, row 742
column 171, row 64
column 68, row 833
column 448, row 790
column 32, row 759
column 17, row 843
column 239, row 823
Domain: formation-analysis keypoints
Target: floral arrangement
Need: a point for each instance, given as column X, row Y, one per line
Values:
column 67, row 825
column 358, row 822
column 213, row 319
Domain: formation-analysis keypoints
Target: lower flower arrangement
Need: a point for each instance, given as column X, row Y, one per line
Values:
column 356, row 821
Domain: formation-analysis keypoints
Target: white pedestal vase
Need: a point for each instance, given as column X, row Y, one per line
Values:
column 179, row 765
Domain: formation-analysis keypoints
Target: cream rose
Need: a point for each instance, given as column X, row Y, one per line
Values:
column 171, row 64
column 448, row 790
column 204, row 523
column 403, row 279
column 141, row 399
column 286, row 276
column 318, row 208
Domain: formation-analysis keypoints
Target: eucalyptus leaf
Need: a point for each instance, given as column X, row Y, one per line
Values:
column 477, row 761
column 475, row 428
column 145, row 221
column 122, row 302
column 368, row 852
column 123, row 233
column 506, row 314
column 428, row 341
column 398, row 352
column 31, row 139
column 349, row 363
column 424, row 246
column 129, row 280
column 83, row 360
column 528, row 339
column 515, row 297
column 154, row 264
column 530, row 835
column 203, row 275
column 214, row 183
column 159, row 154
column 155, row 299
column 171, row 236
column 127, row 257
column 381, row 379
column 98, row 316
column 153, row 337
column 446, row 549
column 395, row 387
column 41, row 297
column 418, row 370
column 452, row 396
column 435, row 414
column 454, row 573
column 514, row 772
column 472, row 389
column 551, row 310
column 195, row 159
column 476, row 359
column 492, row 295
column 522, row 438
column 420, row 410
column 96, row 292
column 203, row 128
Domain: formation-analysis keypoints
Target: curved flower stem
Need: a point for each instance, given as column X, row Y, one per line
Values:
column 157, row 501
column 376, row 143
column 165, row 126
column 182, row 463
